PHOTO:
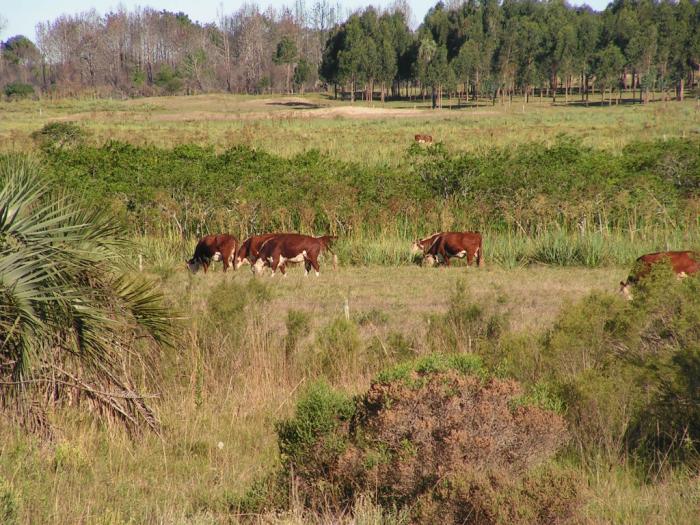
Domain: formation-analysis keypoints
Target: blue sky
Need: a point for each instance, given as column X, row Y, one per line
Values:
column 21, row 16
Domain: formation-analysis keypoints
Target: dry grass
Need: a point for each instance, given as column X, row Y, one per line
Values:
column 379, row 133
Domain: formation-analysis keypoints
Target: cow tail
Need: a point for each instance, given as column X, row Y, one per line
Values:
column 479, row 256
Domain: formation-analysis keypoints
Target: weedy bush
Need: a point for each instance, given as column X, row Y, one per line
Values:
column 338, row 349
column 468, row 324
column 628, row 370
column 433, row 438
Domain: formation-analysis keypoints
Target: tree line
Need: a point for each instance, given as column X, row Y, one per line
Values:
column 478, row 49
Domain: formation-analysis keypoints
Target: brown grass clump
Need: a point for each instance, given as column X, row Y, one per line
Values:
column 446, row 444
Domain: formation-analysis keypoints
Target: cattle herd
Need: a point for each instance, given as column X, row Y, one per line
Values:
column 276, row 250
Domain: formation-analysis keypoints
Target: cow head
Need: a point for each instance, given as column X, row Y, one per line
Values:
column 626, row 290
column 193, row 265
column 240, row 261
column 416, row 247
column 258, row 267
column 429, row 260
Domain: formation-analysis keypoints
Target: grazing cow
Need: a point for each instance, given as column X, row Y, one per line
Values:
column 249, row 250
column 682, row 263
column 285, row 248
column 451, row 244
column 213, row 248
column 423, row 139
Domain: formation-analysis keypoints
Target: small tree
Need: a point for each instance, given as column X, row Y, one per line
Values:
column 302, row 73
column 286, row 54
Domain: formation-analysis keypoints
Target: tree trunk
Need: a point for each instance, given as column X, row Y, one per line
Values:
column 681, row 89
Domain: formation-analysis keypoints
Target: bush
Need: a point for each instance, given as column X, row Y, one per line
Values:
column 59, row 135
column 431, row 438
column 470, row 324
column 298, row 323
column 17, row 90
column 628, row 370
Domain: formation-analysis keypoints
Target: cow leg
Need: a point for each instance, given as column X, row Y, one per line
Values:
column 314, row 263
column 307, row 267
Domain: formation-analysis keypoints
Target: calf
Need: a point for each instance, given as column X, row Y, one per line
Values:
column 683, row 263
column 451, row 244
column 423, row 139
column 284, row 248
column 213, row 248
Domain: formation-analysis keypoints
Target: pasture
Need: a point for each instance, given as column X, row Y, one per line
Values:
column 359, row 132
column 232, row 378
column 247, row 347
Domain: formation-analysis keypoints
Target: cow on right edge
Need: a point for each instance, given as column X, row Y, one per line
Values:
column 445, row 245
column 683, row 263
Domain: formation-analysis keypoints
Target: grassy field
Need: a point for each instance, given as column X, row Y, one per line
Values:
column 233, row 375
column 358, row 132
column 222, row 391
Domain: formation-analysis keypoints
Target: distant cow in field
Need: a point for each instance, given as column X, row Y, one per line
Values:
column 423, row 139
column 213, row 248
column 683, row 263
column 249, row 250
column 445, row 245
column 285, row 248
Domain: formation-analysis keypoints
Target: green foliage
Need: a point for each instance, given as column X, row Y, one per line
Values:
column 319, row 411
column 558, row 204
column 339, row 348
column 17, row 90
column 59, row 135
column 628, row 370
column 410, row 372
column 168, row 79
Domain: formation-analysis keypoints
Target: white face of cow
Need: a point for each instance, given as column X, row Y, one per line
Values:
column 193, row 265
column 429, row 260
column 416, row 247
column 626, row 290
column 257, row 268
column 238, row 262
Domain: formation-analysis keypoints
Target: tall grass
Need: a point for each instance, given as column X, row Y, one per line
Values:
column 507, row 250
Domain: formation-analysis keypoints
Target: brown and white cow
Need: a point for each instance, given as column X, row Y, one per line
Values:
column 220, row 247
column 423, row 139
column 683, row 263
column 285, row 248
column 249, row 250
column 445, row 245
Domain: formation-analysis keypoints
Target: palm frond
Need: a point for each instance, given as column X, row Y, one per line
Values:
column 70, row 316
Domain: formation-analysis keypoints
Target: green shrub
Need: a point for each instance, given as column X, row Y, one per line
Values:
column 319, row 412
column 470, row 324
column 59, row 135
column 627, row 371
column 17, row 90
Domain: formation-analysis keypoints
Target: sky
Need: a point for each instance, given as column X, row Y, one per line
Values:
column 21, row 16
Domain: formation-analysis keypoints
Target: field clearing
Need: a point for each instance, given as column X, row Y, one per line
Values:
column 359, row 132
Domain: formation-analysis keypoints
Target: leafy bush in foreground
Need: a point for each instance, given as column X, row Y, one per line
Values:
column 436, row 437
